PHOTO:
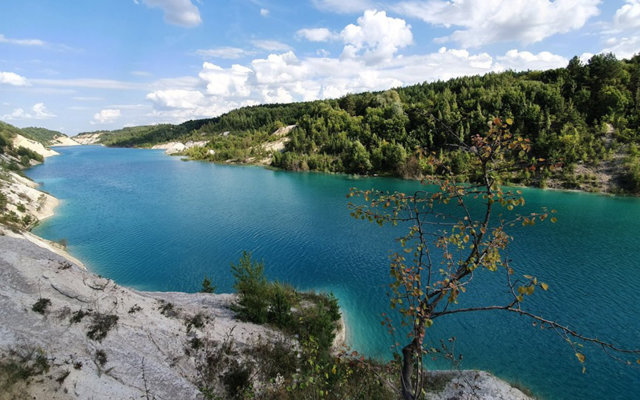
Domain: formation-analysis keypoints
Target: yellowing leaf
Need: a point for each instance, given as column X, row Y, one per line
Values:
column 554, row 220
column 580, row 357
column 509, row 121
column 544, row 286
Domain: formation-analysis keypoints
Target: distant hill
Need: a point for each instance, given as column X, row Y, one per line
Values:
column 143, row 136
column 42, row 135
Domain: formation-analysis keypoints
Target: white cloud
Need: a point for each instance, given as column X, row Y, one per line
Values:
column 229, row 53
column 271, row 45
column 229, row 82
column 624, row 47
column 264, row 12
column 490, row 21
column 177, row 98
column 343, row 6
column 628, row 16
column 11, row 78
column 622, row 36
column 279, row 68
column 17, row 113
column 177, row 12
column 90, row 83
column 285, row 77
column 87, row 98
column 22, row 42
column 515, row 59
column 106, row 116
column 39, row 112
column 317, row 34
column 377, row 35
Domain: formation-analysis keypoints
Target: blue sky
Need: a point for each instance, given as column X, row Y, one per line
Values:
column 78, row 65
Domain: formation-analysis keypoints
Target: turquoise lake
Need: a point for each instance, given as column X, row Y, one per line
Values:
column 155, row 222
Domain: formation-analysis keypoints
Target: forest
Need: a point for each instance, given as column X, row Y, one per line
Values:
column 584, row 119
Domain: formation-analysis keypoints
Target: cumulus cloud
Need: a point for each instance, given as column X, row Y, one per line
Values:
column 176, row 98
column 624, row 47
column 226, row 82
column 515, row 59
column 622, row 35
column 38, row 111
column 177, row 12
column 22, row 42
column 376, row 37
column 11, row 78
column 490, row 21
column 270, row 45
column 628, row 16
column 106, row 116
column 279, row 68
column 317, row 34
column 229, row 53
column 41, row 112
column 342, row 6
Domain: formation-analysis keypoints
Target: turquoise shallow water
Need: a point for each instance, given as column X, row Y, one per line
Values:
column 157, row 223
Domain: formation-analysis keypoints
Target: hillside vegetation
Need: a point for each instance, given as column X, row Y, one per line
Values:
column 42, row 135
column 584, row 118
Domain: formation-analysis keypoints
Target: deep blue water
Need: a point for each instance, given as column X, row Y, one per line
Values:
column 155, row 222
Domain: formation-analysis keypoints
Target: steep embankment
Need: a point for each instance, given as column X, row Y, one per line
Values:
column 63, row 141
column 21, row 141
column 88, row 138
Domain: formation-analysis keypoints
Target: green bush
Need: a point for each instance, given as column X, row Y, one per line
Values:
column 41, row 305
column 100, row 326
column 30, row 154
column 207, row 286
column 260, row 301
column 252, row 288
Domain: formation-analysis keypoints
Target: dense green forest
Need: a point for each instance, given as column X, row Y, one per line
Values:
column 584, row 117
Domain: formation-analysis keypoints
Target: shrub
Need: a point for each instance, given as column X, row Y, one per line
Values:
column 134, row 309
column 236, row 379
column 207, row 287
column 100, row 326
column 168, row 310
column 197, row 321
column 262, row 302
column 100, row 357
column 280, row 303
column 252, row 289
column 41, row 305
column 77, row 316
column 20, row 365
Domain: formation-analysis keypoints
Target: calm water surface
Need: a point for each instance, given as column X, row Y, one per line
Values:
column 158, row 223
